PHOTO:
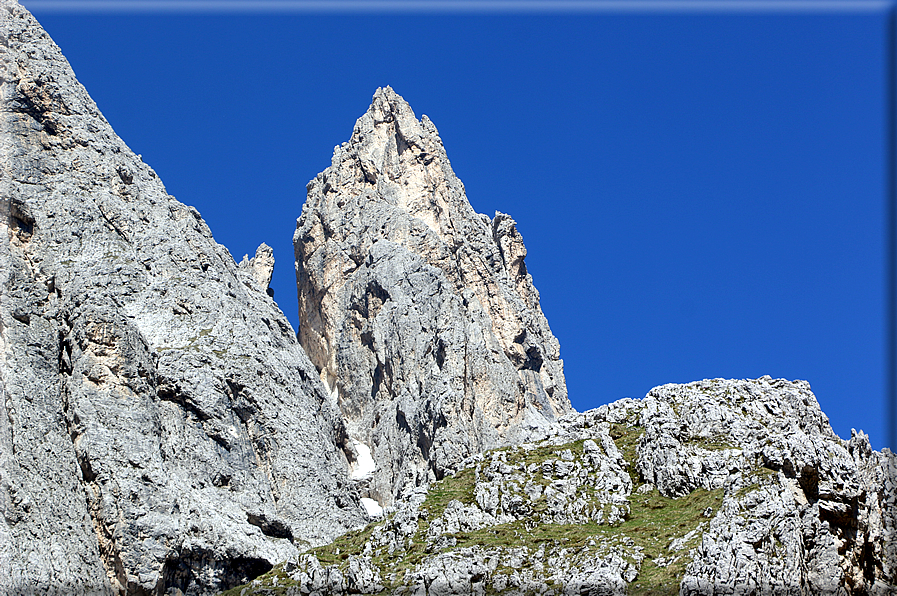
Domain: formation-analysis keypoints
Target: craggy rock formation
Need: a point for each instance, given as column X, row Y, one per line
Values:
column 261, row 266
column 805, row 511
column 160, row 427
column 715, row 487
column 417, row 311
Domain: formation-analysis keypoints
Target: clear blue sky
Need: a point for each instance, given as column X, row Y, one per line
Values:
column 701, row 194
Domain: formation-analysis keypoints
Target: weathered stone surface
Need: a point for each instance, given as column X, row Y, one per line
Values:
column 806, row 512
column 715, row 487
column 161, row 428
column 419, row 312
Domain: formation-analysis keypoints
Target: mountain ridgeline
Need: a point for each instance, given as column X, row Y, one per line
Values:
column 164, row 431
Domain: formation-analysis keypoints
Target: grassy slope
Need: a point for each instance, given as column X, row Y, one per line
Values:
column 653, row 522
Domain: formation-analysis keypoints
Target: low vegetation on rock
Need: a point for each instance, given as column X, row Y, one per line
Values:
column 588, row 509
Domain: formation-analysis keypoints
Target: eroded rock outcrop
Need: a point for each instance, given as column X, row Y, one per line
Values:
column 714, row 487
column 160, row 427
column 419, row 312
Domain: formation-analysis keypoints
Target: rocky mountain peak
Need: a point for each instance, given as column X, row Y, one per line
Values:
column 712, row 487
column 417, row 311
column 404, row 160
column 260, row 266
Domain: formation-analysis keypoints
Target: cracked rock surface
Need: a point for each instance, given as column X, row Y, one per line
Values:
column 419, row 312
column 161, row 428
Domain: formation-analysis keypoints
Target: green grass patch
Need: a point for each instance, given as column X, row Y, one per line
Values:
column 654, row 580
column 525, row 457
column 393, row 567
column 517, row 534
column 761, row 476
column 274, row 583
column 653, row 522
column 458, row 487
column 626, row 438
column 397, row 564
column 351, row 543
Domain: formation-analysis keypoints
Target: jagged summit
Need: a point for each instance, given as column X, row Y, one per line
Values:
column 422, row 183
column 417, row 311
column 163, row 432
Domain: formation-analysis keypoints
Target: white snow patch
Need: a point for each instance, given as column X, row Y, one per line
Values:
column 373, row 507
column 364, row 466
column 334, row 392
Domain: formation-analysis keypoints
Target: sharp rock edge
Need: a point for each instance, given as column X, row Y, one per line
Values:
column 710, row 488
column 163, row 432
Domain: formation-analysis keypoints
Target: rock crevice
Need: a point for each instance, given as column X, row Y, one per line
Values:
column 714, row 487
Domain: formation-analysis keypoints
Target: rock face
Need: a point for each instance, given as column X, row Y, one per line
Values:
column 161, row 428
column 419, row 312
column 715, row 487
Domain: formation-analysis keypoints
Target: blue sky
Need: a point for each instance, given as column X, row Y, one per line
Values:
column 702, row 193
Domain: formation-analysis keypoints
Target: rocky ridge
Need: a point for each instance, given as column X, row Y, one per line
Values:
column 419, row 312
column 161, row 429
column 715, row 487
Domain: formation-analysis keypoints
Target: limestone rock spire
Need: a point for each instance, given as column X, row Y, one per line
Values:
column 419, row 312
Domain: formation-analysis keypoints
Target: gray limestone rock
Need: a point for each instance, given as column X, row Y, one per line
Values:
column 804, row 511
column 161, row 428
column 417, row 311
column 260, row 267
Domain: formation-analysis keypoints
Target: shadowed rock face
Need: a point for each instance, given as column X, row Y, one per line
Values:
column 160, row 426
column 417, row 311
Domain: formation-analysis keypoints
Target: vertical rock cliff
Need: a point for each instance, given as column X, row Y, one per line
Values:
column 160, row 427
column 418, row 312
